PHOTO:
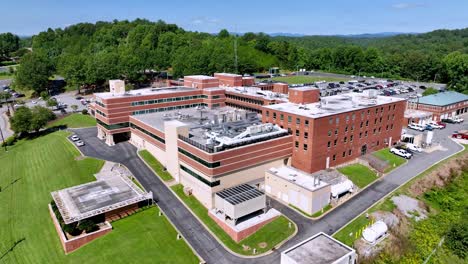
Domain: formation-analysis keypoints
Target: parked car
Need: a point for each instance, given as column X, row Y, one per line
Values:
column 433, row 124
column 448, row 120
column 416, row 127
column 79, row 143
column 75, row 138
column 413, row 147
column 458, row 119
column 401, row 152
column 428, row 127
column 442, row 124
column 462, row 134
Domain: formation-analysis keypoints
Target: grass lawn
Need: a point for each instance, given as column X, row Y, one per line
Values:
column 74, row 121
column 384, row 205
column 307, row 79
column 30, row 170
column 272, row 233
column 359, row 174
column 137, row 183
column 6, row 76
column 157, row 167
column 393, row 160
column 325, row 209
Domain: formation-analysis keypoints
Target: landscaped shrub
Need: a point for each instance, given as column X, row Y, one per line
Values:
column 9, row 141
column 88, row 226
column 84, row 111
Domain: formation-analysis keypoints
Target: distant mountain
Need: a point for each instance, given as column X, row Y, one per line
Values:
column 377, row 35
column 283, row 34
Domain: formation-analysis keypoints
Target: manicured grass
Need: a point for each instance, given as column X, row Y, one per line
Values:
column 6, row 76
column 351, row 232
column 359, row 174
column 300, row 210
column 137, row 183
column 30, row 170
column 325, row 209
column 157, row 167
column 393, row 160
column 75, row 121
column 307, row 79
column 272, row 233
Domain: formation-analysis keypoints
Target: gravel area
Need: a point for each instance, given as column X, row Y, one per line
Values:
column 409, row 207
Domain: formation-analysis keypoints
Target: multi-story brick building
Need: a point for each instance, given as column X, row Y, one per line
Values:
column 442, row 105
column 338, row 128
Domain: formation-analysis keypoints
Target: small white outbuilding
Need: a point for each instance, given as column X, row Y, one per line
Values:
column 375, row 232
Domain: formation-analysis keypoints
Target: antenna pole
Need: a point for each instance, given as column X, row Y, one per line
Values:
column 235, row 53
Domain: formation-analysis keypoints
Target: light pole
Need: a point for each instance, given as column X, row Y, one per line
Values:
column 3, row 140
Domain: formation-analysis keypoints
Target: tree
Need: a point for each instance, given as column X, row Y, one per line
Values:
column 430, row 91
column 223, row 33
column 20, row 120
column 51, row 102
column 8, row 43
column 40, row 117
column 456, row 65
column 33, row 72
column 44, row 95
column 74, row 107
column 5, row 96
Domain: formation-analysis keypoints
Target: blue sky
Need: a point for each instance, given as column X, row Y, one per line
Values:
column 313, row 17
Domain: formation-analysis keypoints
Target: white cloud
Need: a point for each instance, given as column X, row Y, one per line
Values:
column 407, row 5
column 205, row 20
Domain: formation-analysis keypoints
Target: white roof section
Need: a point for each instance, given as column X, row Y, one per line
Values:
column 332, row 105
column 228, row 74
column 299, row 177
column 374, row 232
column 258, row 92
column 320, row 249
column 201, row 77
column 412, row 113
column 110, row 192
column 145, row 91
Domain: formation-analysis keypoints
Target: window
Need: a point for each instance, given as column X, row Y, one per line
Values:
column 337, row 121
column 334, row 142
column 346, row 129
column 298, row 121
column 347, row 118
column 352, row 128
column 305, row 146
column 147, row 133
column 274, row 116
column 376, row 110
column 362, row 123
column 267, row 113
column 200, row 178
column 336, row 132
column 380, row 120
column 289, row 130
column 330, row 121
column 297, row 132
column 368, row 111
column 386, row 128
column 345, row 139
column 306, row 135
column 351, row 138
column 367, row 123
column 200, row 160
column 334, row 157
column 375, row 121
column 289, row 119
column 366, row 134
column 350, row 152
column 360, row 135
column 375, row 130
column 379, row 129
column 296, row 144
column 329, row 133
column 394, row 107
column 306, row 122
column 281, row 117
column 353, row 116
column 328, row 144
column 391, row 126
column 344, row 154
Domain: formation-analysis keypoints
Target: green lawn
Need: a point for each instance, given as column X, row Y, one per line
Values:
column 393, row 160
column 272, row 233
column 6, row 76
column 359, row 174
column 30, row 170
column 157, row 167
column 307, row 79
column 74, row 121
column 325, row 209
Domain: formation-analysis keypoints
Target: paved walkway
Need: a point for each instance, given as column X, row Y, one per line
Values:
column 209, row 248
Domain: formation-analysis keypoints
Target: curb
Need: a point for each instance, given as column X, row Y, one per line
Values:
column 393, row 191
column 149, row 167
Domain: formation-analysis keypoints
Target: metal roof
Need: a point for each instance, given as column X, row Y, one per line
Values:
column 240, row 194
column 442, row 99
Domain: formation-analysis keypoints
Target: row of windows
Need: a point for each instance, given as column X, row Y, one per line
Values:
column 200, row 160
column 162, row 109
column 351, row 137
column 244, row 99
column 243, row 107
column 101, row 113
column 200, row 178
column 350, row 152
column 171, row 99
column 113, row 126
column 361, row 125
column 298, row 120
column 100, row 104
column 148, row 133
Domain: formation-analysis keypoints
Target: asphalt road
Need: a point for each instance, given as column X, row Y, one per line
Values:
column 210, row 249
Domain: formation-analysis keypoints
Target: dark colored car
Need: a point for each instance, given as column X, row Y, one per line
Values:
column 410, row 89
column 449, row 121
column 422, row 87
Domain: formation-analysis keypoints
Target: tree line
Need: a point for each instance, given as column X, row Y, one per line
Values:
column 88, row 55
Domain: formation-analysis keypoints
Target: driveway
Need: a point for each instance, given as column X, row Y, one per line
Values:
column 209, row 248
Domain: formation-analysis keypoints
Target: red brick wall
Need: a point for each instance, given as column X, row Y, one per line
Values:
column 281, row 88
column 238, row 236
column 248, row 81
column 75, row 243
column 300, row 96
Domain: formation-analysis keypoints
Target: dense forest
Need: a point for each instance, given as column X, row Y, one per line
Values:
column 89, row 54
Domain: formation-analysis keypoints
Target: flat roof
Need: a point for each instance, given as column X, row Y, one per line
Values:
column 93, row 198
column 258, row 92
column 335, row 104
column 442, row 99
column 200, row 77
column 146, row 91
column 304, row 88
column 320, row 249
column 228, row 74
column 412, row 113
column 239, row 194
column 303, row 179
column 216, row 129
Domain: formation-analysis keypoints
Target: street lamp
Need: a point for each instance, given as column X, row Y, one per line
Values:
column 3, row 140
